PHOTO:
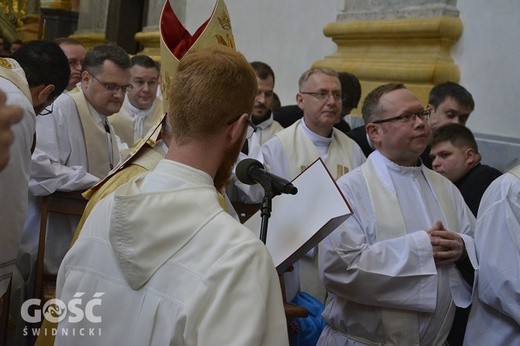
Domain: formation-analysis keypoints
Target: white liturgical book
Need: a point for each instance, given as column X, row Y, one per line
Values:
column 299, row 222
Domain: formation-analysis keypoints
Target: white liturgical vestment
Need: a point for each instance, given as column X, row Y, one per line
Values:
column 63, row 161
column 371, row 276
column 265, row 130
column 173, row 268
column 292, row 150
column 132, row 123
column 287, row 154
column 14, row 177
column 495, row 313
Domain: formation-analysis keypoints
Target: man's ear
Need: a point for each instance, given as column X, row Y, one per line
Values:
column 299, row 100
column 42, row 94
column 85, row 79
column 46, row 93
column 372, row 131
column 471, row 156
column 237, row 129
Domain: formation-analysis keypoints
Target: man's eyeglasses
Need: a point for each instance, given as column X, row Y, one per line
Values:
column 251, row 128
column 47, row 110
column 74, row 63
column 324, row 95
column 113, row 88
column 406, row 118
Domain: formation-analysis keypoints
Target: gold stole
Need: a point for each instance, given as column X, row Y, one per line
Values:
column 95, row 136
column 401, row 326
column 302, row 152
column 7, row 71
column 123, row 122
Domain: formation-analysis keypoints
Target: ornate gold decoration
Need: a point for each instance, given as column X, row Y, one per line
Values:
column 5, row 63
column 341, row 171
column 166, row 82
column 230, row 42
column 13, row 11
column 224, row 20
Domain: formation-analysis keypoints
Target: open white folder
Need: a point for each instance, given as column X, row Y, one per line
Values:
column 299, row 222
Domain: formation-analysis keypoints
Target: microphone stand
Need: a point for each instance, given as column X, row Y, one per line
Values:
column 265, row 210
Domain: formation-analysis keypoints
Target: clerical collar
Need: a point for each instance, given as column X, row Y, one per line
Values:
column 392, row 166
column 315, row 138
column 134, row 111
column 266, row 122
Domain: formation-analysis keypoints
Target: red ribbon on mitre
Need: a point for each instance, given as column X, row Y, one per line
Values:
column 175, row 36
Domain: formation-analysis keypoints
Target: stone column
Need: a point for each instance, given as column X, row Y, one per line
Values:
column 150, row 35
column 92, row 22
column 405, row 41
column 59, row 18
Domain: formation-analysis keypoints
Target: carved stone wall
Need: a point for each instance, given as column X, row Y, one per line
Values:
column 405, row 41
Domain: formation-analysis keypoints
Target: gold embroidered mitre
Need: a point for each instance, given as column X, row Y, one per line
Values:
column 176, row 41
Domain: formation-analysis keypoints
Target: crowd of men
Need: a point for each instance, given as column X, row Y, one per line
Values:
column 429, row 255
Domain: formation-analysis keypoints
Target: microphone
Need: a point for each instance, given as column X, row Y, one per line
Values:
column 251, row 171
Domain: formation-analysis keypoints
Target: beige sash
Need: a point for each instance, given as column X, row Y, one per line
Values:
column 302, row 152
column 515, row 171
column 401, row 326
column 98, row 159
column 268, row 132
column 123, row 124
column 7, row 71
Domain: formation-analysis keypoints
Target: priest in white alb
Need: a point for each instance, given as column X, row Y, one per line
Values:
column 291, row 150
column 397, row 267
column 495, row 313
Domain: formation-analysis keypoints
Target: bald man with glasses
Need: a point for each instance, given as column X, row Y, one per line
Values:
column 75, row 52
column 396, row 269
column 76, row 146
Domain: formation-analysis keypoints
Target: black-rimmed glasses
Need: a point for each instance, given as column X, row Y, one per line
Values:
column 75, row 63
column 405, row 118
column 48, row 110
column 251, row 128
column 113, row 88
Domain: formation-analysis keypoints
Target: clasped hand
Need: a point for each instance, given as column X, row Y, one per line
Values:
column 448, row 246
